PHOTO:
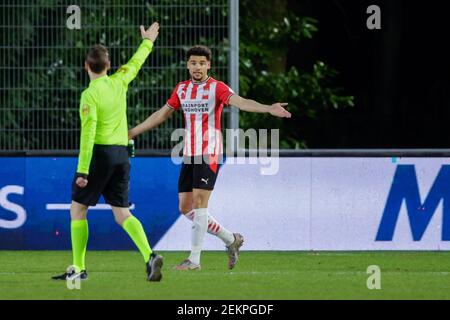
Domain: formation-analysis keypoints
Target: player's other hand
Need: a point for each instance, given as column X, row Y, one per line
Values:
column 278, row 110
column 81, row 182
column 151, row 33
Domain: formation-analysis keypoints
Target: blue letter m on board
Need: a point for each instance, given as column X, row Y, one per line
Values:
column 405, row 187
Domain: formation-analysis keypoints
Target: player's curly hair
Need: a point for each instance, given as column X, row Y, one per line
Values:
column 202, row 51
column 97, row 58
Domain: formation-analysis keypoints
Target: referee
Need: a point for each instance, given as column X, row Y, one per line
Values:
column 103, row 162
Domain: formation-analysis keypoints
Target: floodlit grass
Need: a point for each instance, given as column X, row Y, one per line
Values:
column 258, row 275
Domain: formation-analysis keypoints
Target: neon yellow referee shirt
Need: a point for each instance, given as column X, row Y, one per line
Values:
column 103, row 108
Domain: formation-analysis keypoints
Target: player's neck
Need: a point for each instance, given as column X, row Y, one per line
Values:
column 203, row 80
column 94, row 76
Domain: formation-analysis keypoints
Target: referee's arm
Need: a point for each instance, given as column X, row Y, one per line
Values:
column 88, row 115
column 129, row 71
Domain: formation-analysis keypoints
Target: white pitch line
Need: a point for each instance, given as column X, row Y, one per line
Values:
column 66, row 206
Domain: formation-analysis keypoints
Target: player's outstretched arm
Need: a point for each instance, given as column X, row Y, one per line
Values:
column 151, row 122
column 130, row 70
column 276, row 109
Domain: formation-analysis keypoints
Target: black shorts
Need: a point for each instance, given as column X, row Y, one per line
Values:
column 197, row 174
column 109, row 175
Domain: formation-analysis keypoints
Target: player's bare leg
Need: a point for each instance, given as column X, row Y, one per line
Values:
column 136, row 232
column 78, row 211
column 120, row 215
column 186, row 202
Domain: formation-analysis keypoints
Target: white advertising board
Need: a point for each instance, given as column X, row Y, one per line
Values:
column 330, row 204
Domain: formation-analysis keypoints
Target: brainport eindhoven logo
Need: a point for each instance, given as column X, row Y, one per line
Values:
column 405, row 188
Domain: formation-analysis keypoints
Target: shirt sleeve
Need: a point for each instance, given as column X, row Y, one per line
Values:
column 224, row 93
column 129, row 71
column 88, row 116
column 174, row 101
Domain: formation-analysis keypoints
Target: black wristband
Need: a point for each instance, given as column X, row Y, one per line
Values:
column 82, row 175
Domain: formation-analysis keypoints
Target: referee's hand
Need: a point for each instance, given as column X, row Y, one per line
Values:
column 81, row 182
column 151, row 33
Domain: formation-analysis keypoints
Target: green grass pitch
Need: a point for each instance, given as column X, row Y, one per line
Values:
column 258, row 275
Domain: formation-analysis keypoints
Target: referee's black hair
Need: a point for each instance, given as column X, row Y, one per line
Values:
column 201, row 51
column 97, row 58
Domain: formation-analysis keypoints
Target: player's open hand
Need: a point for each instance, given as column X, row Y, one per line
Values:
column 81, row 182
column 151, row 33
column 278, row 110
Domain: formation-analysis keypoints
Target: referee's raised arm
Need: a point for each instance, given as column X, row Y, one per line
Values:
column 129, row 71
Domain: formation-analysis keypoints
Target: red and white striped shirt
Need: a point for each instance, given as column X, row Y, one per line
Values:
column 202, row 105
